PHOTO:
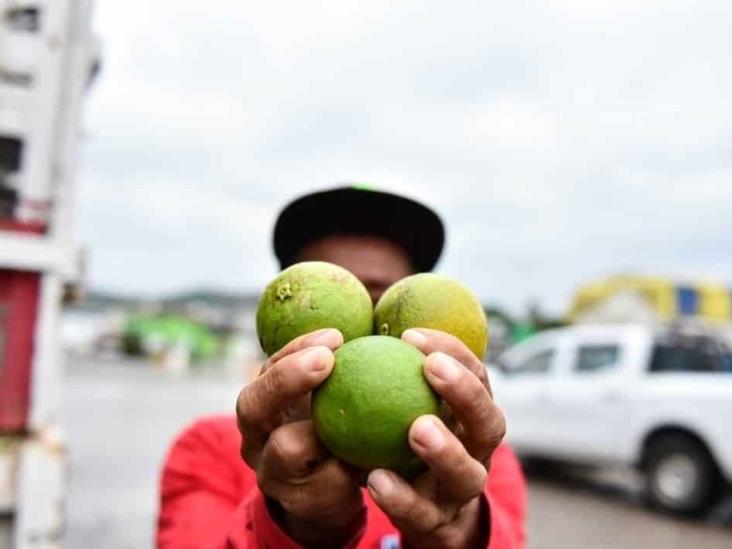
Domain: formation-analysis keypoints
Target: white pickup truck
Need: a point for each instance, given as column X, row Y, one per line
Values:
column 660, row 402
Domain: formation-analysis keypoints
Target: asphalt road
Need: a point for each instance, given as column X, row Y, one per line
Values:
column 120, row 419
column 604, row 510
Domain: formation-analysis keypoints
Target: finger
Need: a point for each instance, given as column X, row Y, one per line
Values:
column 327, row 337
column 460, row 478
column 292, row 451
column 408, row 510
column 430, row 341
column 261, row 402
column 482, row 421
column 330, row 493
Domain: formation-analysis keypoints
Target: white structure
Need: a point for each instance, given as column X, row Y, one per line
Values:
column 47, row 58
column 628, row 305
column 659, row 401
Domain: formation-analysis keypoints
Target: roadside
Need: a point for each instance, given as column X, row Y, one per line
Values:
column 121, row 417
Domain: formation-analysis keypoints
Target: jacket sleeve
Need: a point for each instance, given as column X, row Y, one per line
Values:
column 208, row 500
column 506, row 495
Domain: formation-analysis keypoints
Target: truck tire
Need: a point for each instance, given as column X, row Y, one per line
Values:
column 680, row 475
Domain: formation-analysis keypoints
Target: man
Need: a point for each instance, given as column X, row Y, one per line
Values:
column 264, row 480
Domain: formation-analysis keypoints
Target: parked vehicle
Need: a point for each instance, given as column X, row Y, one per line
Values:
column 657, row 401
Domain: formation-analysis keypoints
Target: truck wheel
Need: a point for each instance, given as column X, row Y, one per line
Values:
column 680, row 475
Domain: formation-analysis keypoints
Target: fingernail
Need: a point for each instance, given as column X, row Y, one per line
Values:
column 444, row 367
column 415, row 337
column 329, row 337
column 380, row 483
column 426, row 433
column 317, row 358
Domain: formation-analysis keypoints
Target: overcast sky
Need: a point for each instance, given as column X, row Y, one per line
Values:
column 561, row 140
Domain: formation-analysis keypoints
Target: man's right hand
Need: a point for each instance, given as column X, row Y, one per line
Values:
column 314, row 497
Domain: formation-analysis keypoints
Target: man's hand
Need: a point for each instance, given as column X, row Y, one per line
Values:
column 314, row 497
column 442, row 507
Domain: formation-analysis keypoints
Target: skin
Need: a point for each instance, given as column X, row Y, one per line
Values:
column 316, row 498
column 376, row 262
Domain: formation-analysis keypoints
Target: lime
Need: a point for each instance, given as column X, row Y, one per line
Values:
column 363, row 411
column 428, row 300
column 308, row 296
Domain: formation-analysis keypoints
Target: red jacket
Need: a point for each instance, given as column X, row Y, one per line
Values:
column 209, row 498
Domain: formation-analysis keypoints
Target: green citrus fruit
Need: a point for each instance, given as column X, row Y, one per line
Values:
column 363, row 411
column 428, row 300
column 308, row 296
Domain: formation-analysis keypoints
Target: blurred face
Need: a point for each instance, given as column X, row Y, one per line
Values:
column 377, row 262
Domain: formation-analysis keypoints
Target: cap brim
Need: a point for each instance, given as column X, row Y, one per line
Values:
column 350, row 210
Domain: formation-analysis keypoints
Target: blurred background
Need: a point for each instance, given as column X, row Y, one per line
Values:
column 578, row 151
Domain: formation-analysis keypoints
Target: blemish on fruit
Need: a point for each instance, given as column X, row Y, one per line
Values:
column 284, row 291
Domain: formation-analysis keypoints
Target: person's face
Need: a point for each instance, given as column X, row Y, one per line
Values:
column 377, row 262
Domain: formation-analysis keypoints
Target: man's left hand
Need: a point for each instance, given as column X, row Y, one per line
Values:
column 443, row 506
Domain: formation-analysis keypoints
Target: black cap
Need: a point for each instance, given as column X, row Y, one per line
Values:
column 362, row 211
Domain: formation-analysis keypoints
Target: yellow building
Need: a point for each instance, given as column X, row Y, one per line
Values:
column 650, row 299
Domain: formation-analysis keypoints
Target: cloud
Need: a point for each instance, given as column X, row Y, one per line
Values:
column 561, row 140
column 507, row 125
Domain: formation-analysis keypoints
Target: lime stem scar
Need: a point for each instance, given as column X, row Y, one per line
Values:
column 284, row 291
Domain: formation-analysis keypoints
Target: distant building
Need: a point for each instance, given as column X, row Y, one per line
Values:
column 97, row 326
column 652, row 300
column 91, row 330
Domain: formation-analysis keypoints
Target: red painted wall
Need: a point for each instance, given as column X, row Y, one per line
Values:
column 19, row 292
column 18, row 313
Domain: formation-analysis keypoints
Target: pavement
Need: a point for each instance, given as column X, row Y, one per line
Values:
column 120, row 418
column 603, row 509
